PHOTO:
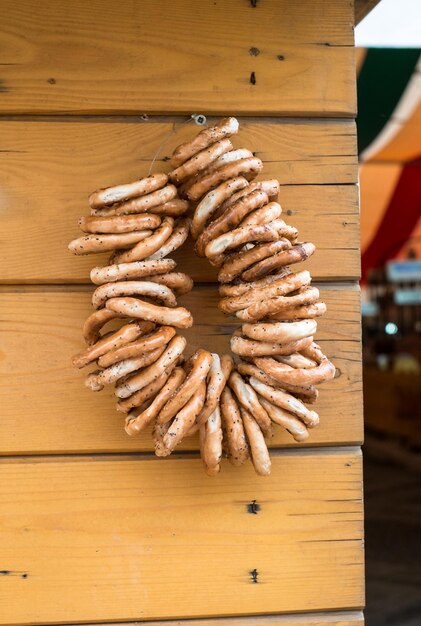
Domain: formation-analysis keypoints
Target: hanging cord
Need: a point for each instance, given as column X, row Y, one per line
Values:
column 197, row 118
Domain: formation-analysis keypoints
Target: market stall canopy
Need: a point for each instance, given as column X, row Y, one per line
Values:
column 389, row 143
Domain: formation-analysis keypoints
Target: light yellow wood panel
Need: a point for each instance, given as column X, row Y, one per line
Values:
column 333, row 618
column 131, row 538
column 49, row 168
column 47, row 409
column 174, row 56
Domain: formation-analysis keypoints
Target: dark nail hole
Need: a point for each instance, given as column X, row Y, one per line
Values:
column 253, row 78
column 24, row 575
column 253, row 3
column 52, row 81
column 280, row 57
column 254, row 52
column 253, row 507
column 254, row 574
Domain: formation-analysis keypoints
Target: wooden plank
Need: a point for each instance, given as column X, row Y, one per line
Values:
column 126, row 539
column 49, row 168
column 334, row 618
column 47, row 409
column 362, row 8
column 78, row 57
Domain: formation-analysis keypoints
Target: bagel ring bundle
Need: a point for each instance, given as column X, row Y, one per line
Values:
column 236, row 224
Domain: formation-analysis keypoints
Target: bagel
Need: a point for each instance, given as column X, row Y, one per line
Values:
column 119, row 193
column 232, row 424
column 213, row 199
column 258, row 449
column 138, row 422
column 149, row 245
column 133, row 288
column 126, row 271
column 93, row 244
column 225, row 128
column 131, row 307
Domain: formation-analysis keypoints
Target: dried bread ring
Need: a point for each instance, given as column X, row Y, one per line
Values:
column 237, row 262
column 158, row 433
column 211, row 443
column 177, row 281
column 126, row 271
column 280, row 332
column 148, row 246
column 297, row 360
column 94, row 323
column 230, row 219
column 240, row 236
column 280, row 286
column 286, row 401
column 297, row 254
column 147, row 203
column 292, row 424
column 158, row 338
column 218, row 374
column 307, row 394
column 172, row 208
column 170, row 355
column 268, row 213
column 185, row 418
column 132, row 307
column 228, row 157
column 120, row 337
column 174, row 241
column 225, row 128
column 249, row 167
column 119, row 193
column 213, row 199
column 139, row 398
column 239, row 288
column 93, row 244
column 121, row 369
column 136, row 423
column 266, row 308
column 258, row 449
column 270, row 187
column 251, row 348
column 247, row 397
column 133, row 288
column 308, row 311
column 200, row 161
column 119, row 223
column 232, row 424
column 298, row 377
column 182, row 395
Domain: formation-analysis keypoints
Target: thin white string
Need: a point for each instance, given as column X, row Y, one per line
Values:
column 199, row 119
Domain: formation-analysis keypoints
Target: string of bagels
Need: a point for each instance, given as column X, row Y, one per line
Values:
column 232, row 401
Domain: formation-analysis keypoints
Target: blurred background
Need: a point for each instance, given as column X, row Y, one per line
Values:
column 389, row 142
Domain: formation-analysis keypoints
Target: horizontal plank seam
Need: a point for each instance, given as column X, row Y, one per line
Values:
column 334, row 450
column 351, row 285
column 144, row 118
column 332, row 616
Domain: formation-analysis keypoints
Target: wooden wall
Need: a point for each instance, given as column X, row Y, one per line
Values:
column 94, row 528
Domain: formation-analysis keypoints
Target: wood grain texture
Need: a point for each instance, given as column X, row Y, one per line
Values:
column 130, row 538
column 333, row 618
column 100, row 57
column 47, row 409
column 362, row 8
column 47, row 170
